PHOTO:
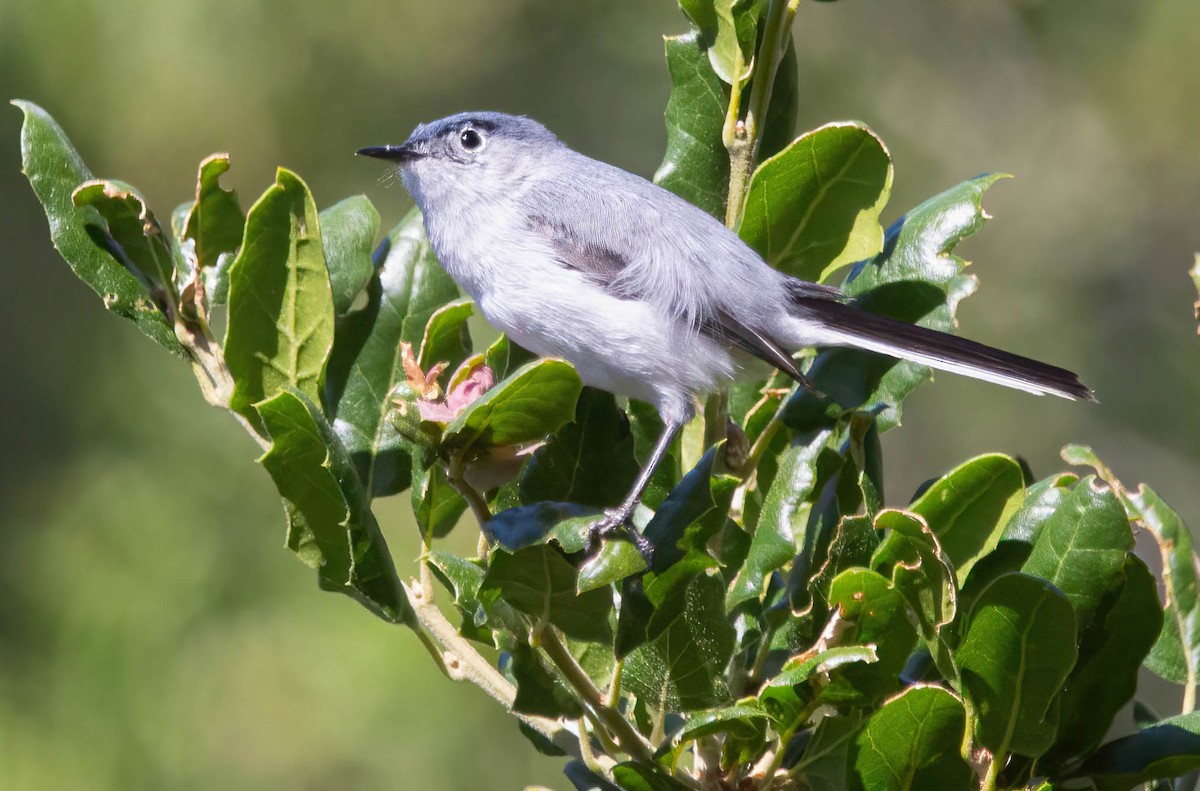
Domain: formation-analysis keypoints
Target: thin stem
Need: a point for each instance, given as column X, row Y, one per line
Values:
column 1189, row 699
column 784, row 738
column 630, row 740
column 993, row 772
column 461, row 662
column 456, row 474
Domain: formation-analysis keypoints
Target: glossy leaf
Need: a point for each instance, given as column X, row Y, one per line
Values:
column 787, row 692
column 783, row 517
column 740, row 716
column 691, row 514
column 632, row 776
column 314, row 474
column 348, row 231
column 539, row 582
column 446, row 338
column 728, row 30
column 1110, row 653
column 696, row 164
column 1169, row 749
column 280, row 305
column 968, row 507
column 916, row 278
column 616, row 559
column 814, row 207
column 1041, row 500
column 589, row 461
column 873, row 613
column 55, row 169
column 366, row 367
column 214, row 222
column 1017, row 650
column 682, row 668
column 918, row 567
column 437, row 506
column 1081, row 549
column 533, row 403
column 912, row 742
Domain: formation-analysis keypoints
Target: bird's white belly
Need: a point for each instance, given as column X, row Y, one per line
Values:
column 624, row 346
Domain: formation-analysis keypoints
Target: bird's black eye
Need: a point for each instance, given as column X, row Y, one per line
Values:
column 470, row 139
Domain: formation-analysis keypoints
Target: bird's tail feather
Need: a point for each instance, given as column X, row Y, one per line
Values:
column 846, row 325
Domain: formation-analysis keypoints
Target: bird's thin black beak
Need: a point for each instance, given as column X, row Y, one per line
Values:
column 400, row 153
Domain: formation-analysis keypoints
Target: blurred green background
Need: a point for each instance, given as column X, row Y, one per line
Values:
column 153, row 631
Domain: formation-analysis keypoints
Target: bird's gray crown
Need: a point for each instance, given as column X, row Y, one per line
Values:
column 501, row 125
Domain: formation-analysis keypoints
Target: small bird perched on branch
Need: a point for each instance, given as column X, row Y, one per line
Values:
column 645, row 294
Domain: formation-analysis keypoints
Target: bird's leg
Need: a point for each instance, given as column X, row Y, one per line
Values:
column 617, row 518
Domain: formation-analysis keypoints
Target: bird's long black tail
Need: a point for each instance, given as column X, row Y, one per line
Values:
column 847, row 325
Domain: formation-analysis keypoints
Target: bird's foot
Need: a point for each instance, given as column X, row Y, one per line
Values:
column 617, row 520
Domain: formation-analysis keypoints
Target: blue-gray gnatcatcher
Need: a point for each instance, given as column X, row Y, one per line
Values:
column 648, row 296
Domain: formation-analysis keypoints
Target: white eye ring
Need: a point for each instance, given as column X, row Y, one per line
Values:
column 470, row 139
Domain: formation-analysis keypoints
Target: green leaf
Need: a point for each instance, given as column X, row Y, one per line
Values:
column 916, row 278
column 785, row 694
column 55, row 169
column 365, row 365
column 785, row 513
column 912, row 742
column 1081, row 549
column 728, row 28
column 968, row 507
column 589, row 461
column 616, row 560
column 526, row 525
column 814, row 207
column 919, row 568
column 1017, row 650
column 1110, row 653
column 682, row 669
column 348, row 231
column 691, row 514
column 826, row 758
column 874, row 613
column 742, row 717
column 1041, row 500
column 696, row 164
column 533, row 403
column 538, row 691
column 1169, row 749
column 319, row 485
column 280, row 304
column 133, row 236
column 632, row 776
column 447, row 339
column 436, row 504
column 540, row 582
column 214, row 221
column 460, row 576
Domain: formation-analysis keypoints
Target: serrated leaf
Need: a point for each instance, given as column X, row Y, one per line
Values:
column 365, row 366
column 317, row 481
column 55, row 169
column 916, row 278
column 1110, row 653
column 280, row 327
column 696, row 164
column 784, row 515
column 1017, row 649
column 348, row 231
column 533, row 403
column 814, row 207
column 214, row 222
column 682, row 668
column 1081, row 549
column 541, row 583
column 968, row 507
column 1169, row 749
column 912, row 742
column 590, row 461
column 918, row 567
column 873, row 613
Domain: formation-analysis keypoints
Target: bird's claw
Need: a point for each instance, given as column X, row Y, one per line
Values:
column 616, row 520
